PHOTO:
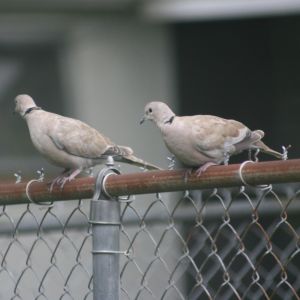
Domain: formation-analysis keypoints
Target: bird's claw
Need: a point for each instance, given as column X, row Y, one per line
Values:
column 199, row 171
column 61, row 180
column 204, row 167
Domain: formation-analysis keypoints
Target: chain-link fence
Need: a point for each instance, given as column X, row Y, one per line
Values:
column 179, row 237
column 45, row 252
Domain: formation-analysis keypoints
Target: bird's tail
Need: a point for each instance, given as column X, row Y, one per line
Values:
column 128, row 157
column 265, row 149
column 133, row 160
column 116, row 150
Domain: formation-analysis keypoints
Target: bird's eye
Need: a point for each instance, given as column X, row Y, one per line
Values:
column 150, row 110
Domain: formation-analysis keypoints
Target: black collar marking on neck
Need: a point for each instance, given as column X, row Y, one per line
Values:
column 170, row 121
column 29, row 110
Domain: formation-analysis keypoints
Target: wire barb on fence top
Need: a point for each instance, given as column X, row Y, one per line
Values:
column 18, row 176
column 285, row 151
column 157, row 181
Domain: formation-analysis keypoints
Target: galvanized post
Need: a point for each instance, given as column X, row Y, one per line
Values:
column 105, row 220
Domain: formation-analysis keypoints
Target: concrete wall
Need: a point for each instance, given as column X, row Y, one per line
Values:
column 112, row 68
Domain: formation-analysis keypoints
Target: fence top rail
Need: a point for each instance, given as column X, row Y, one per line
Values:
column 156, row 182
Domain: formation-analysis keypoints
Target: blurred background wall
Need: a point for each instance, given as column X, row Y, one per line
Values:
column 102, row 61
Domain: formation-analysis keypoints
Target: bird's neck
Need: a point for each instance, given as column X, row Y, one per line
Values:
column 169, row 120
column 30, row 109
column 166, row 123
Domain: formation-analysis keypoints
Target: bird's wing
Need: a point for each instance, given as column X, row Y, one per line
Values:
column 211, row 133
column 78, row 138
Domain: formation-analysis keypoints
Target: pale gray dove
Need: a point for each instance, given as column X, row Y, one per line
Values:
column 70, row 143
column 203, row 140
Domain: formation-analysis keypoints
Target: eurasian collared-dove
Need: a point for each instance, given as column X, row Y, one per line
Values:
column 203, row 140
column 70, row 143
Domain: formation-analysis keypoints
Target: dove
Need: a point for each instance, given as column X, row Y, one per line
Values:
column 203, row 140
column 70, row 143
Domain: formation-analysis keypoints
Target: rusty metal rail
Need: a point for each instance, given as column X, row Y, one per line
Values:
column 157, row 181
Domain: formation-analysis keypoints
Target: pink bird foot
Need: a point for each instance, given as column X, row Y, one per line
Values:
column 204, row 167
column 199, row 170
column 63, row 178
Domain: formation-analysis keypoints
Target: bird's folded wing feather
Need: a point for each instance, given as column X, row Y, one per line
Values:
column 77, row 138
column 212, row 133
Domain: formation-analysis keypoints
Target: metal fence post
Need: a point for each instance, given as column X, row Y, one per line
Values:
column 105, row 220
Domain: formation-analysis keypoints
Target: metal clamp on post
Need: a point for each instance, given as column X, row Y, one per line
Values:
column 100, row 191
column 105, row 220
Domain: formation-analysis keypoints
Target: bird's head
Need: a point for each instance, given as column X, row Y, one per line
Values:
column 158, row 112
column 24, row 104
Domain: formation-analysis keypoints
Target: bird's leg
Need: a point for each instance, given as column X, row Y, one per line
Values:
column 71, row 176
column 59, row 179
column 204, row 167
column 199, row 170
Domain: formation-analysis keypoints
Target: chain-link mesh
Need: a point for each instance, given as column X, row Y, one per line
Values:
column 217, row 244
column 45, row 252
column 238, row 243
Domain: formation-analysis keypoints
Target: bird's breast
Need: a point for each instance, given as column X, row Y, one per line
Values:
column 180, row 141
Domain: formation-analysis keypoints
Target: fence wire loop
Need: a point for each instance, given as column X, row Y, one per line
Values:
column 240, row 172
column 127, row 199
column 41, row 174
column 241, row 169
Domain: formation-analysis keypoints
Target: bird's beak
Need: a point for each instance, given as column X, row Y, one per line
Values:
column 142, row 120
